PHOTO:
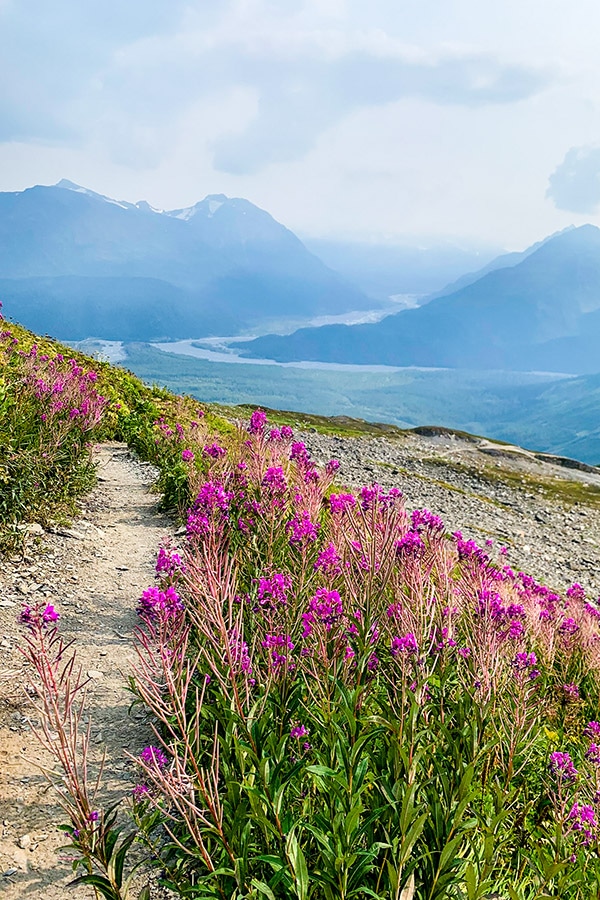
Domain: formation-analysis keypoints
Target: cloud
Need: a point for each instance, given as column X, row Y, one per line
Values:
column 303, row 96
column 54, row 56
column 575, row 184
column 129, row 74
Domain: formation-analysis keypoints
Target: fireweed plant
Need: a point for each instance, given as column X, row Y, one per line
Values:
column 349, row 702
column 58, row 689
column 55, row 403
column 50, row 410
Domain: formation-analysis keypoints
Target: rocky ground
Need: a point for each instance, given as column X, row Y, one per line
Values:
column 546, row 514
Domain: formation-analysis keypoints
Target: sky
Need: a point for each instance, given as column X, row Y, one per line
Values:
column 378, row 121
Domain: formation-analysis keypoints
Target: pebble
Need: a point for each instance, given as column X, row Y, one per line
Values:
column 25, row 841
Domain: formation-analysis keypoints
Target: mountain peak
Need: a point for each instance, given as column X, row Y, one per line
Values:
column 71, row 186
column 208, row 207
column 67, row 185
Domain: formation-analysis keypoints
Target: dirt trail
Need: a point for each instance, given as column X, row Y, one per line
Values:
column 93, row 573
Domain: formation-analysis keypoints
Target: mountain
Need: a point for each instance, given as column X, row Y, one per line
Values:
column 411, row 267
column 220, row 265
column 503, row 261
column 542, row 313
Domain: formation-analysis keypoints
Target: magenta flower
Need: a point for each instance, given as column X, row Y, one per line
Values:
column 583, row 820
column 341, row 503
column 298, row 731
column 301, row 530
column 215, row 451
column 274, row 589
column 562, row 767
column 213, row 496
column 374, row 494
column 593, row 754
column 422, row 518
column 275, row 641
column 571, row 691
column 592, row 729
column 239, row 652
column 154, row 603
column 140, row 792
column 154, row 756
column 209, row 510
column 329, row 561
column 299, row 452
column 410, row 545
column 49, row 614
column 469, row 549
column 568, row 626
column 187, row 456
column 325, row 607
column 576, row 592
column 168, row 561
column 524, row 660
column 373, row 663
column 258, row 420
column 33, row 616
column 274, row 480
column 406, row 644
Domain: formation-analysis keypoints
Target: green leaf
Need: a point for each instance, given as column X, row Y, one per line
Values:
column 298, row 861
column 101, row 884
column 263, row 888
column 119, row 861
column 321, row 770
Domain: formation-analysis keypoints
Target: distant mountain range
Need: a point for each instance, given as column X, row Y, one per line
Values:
column 410, row 266
column 538, row 312
column 76, row 264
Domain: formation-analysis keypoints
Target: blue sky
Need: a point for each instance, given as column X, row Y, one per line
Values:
column 343, row 118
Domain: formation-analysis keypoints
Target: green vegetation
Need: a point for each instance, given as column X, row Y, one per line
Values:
column 54, row 404
column 565, row 490
column 348, row 702
column 532, row 410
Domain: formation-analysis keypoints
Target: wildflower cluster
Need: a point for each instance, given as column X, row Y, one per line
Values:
column 50, row 410
column 340, row 615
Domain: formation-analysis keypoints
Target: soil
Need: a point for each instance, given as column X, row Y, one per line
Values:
column 545, row 514
column 93, row 572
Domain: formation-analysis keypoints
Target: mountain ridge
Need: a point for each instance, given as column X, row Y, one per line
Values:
column 235, row 262
column 507, row 319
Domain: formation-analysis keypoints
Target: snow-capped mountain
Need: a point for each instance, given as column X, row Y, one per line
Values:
column 77, row 263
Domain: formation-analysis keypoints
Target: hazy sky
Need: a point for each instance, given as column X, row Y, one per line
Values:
column 362, row 118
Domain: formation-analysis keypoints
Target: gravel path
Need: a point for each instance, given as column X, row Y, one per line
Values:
column 93, row 572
